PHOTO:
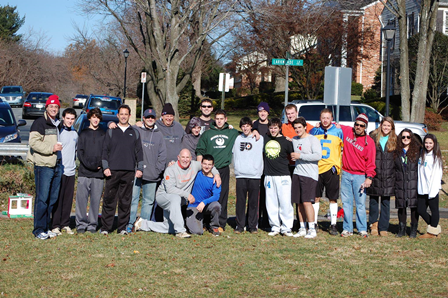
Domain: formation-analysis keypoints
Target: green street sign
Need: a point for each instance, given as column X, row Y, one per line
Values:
column 289, row 62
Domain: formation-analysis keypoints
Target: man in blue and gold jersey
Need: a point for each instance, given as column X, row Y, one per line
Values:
column 331, row 140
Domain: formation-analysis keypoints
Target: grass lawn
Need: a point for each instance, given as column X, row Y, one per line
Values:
column 149, row 264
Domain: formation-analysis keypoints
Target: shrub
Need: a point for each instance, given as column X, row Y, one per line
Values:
column 15, row 178
column 371, row 95
column 357, row 89
column 433, row 120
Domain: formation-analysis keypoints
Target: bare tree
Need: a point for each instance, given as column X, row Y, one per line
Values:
column 157, row 31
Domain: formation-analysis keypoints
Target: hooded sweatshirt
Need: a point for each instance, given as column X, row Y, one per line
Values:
column 190, row 142
column 173, row 138
column 154, row 152
column 248, row 157
column 218, row 143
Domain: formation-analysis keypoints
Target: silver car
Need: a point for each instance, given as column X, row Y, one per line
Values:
column 13, row 95
column 79, row 100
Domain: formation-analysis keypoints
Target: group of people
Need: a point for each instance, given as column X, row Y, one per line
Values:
column 186, row 173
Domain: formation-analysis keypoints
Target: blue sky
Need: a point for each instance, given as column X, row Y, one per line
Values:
column 54, row 18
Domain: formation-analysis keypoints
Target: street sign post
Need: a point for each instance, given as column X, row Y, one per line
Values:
column 224, row 86
column 288, row 62
column 143, row 80
column 337, row 87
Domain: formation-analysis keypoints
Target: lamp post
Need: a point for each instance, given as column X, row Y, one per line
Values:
column 389, row 33
column 126, row 55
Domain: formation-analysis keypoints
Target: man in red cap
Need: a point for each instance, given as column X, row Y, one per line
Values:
column 45, row 154
column 358, row 170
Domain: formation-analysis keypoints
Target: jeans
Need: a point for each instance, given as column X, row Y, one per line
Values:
column 149, row 194
column 351, row 189
column 374, row 202
column 48, row 182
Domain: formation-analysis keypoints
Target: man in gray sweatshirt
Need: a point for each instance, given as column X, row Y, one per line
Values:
column 173, row 192
column 307, row 153
column 154, row 158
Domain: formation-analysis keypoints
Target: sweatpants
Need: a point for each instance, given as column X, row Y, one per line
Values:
column 422, row 205
column 249, row 188
column 63, row 207
column 173, row 222
column 224, row 196
column 195, row 218
column 92, row 187
column 278, row 203
column 118, row 189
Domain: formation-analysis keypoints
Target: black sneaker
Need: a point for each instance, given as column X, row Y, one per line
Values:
column 333, row 231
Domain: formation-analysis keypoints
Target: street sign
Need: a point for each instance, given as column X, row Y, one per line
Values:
column 289, row 62
column 143, row 79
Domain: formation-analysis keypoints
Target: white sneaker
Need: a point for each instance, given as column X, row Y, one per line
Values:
column 300, row 233
column 123, row 232
column 68, row 230
column 57, row 231
column 183, row 235
column 311, row 234
column 51, row 234
column 273, row 233
column 138, row 224
column 346, row 233
column 104, row 232
column 288, row 234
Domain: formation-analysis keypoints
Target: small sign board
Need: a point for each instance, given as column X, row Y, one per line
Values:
column 143, row 78
column 289, row 62
column 338, row 86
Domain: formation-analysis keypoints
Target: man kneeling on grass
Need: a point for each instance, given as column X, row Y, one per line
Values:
column 206, row 195
column 173, row 192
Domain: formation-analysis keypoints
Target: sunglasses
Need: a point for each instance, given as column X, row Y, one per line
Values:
column 361, row 125
column 206, row 106
column 405, row 137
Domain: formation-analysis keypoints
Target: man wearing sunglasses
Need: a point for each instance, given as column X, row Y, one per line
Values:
column 358, row 170
column 330, row 138
column 206, row 108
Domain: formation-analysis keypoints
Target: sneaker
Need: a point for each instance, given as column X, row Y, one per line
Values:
column 273, row 233
column 311, row 234
column 184, row 235
column 42, row 236
column 254, row 231
column 57, row 231
column 138, row 224
column 216, row 232
column 333, row 230
column 129, row 230
column 288, row 234
column 123, row 232
column 67, row 230
column 92, row 231
column 221, row 229
column 104, row 232
column 300, row 233
column 51, row 234
column 363, row 234
column 236, row 231
column 346, row 233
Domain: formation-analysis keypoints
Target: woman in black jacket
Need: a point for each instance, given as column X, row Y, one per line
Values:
column 406, row 179
column 383, row 182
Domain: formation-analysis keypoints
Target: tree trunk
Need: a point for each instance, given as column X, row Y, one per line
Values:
column 426, row 38
column 405, row 88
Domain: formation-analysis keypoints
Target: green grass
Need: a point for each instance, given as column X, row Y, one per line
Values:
column 149, row 264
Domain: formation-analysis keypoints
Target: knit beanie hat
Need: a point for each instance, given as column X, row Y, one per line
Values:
column 53, row 99
column 168, row 109
column 263, row 106
column 363, row 118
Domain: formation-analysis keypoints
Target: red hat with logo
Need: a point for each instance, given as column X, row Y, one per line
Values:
column 53, row 99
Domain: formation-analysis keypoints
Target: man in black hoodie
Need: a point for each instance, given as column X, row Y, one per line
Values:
column 122, row 154
column 90, row 175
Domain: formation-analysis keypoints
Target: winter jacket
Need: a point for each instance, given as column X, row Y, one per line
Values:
column 383, row 183
column 406, row 180
column 90, row 148
column 154, row 153
column 43, row 137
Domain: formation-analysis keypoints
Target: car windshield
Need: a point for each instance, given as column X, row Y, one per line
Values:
column 38, row 97
column 6, row 117
column 105, row 103
column 11, row 90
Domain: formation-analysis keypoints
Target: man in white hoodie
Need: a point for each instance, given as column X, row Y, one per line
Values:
column 248, row 159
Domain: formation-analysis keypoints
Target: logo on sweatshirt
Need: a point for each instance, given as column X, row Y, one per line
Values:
column 219, row 141
column 272, row 149
column 245, row 146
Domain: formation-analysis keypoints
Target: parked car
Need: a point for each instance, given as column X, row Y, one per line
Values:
column 34, row 105
column 82, row 122
column 14, row 95
column 107, row 104
column 310, row 110
column 9, row 128
column 79, row 100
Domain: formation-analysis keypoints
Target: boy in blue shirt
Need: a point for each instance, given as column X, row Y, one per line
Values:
column 206, row 195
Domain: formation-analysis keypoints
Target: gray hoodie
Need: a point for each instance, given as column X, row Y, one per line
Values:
column 154, row 153
column 248, row 157
column 173, row 138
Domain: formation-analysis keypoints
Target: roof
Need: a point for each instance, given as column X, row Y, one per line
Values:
column 354, row 4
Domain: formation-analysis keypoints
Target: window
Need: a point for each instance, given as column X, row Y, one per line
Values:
column 345, row 113
column 445, row 22
column 6, row 118
column 311, row 113
column 411, row 25
column 370, row 112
